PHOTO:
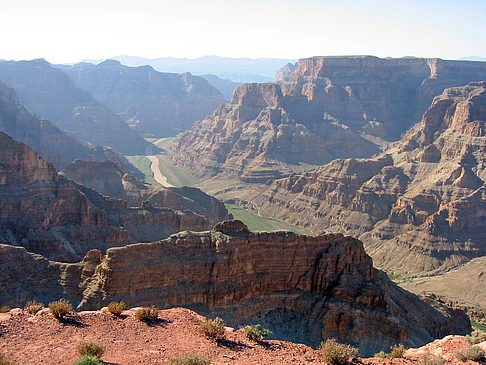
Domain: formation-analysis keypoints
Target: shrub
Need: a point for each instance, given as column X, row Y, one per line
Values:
column 90, row 349
column 335, row 353
column 212, row 329
column 472, row 353
column 88, row 360
column 382, row 355
column 147, row 314
column 4, row 309
column 397, row 351
column 116, row 308
column 189, row 360
column 431, row 360
column 32, row 307
column 254, row 333
column 60, row 308
column 476, row 337
column 4, row 360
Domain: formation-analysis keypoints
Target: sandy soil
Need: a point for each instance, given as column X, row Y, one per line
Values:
column 161, row 179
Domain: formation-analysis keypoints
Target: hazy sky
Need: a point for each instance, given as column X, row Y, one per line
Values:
column 67, row 31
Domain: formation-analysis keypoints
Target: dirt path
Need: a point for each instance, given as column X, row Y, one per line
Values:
column 161, row 179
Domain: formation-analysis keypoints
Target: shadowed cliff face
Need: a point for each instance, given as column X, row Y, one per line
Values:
column 419, row 207
column 302, row 288
column 53, row 216
column 321, row 109
column 162, row 104
column 48, row 92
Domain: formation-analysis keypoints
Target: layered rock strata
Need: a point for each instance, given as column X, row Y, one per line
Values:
column 303, row 288
column 419, row 207
column 320, row 109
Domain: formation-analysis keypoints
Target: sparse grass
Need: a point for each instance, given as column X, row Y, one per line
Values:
column 472, row 353
column 88, row 360
column 32, row 307
column 335, row 353
column 189, row 360
column 5, row 360
column 397, row 351
column 147, row 314
column 254, row 333
column 255, row 222
column 116, row 308
column 431, row 360
column 212, row 329
column 5, row 309
column 59, row 309
column 90, row 349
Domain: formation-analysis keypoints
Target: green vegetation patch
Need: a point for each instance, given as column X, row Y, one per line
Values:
column 176, row 175
column 143, row 164
column 479, row 326
column 258, row 223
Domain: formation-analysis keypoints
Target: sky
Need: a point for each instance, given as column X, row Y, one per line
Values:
column 63, row 31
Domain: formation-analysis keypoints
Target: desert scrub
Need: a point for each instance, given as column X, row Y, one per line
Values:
column 60, row 308
column 189, row 360
column 4, row 360
column 473, row 353
column 476, row 337
column 147, row 314
column 381, row 355
column 88, row 360
column 431, row 360
column 212, row 329
column 4, row 309
column 32, row 307
column 116, row 308
column 254, row 333
column 90, row 349
column 397, row 351
column 335, row 353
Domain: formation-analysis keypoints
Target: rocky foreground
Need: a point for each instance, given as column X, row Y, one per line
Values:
column 42, row 339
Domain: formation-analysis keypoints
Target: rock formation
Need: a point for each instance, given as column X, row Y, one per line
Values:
column 302, row 288
column 161, row 104
column 419, row 207
column 109, row 179
column 50, row 93
column 320, row 109
column 53, row 216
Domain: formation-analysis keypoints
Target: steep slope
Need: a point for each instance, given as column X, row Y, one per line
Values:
column 108, row 179
column 53, row 216
column 321, row 109
column 48, row 141
column 225, row 86
column 420, row 207
column 49, row 92
column 303, row 288
column 161, row 104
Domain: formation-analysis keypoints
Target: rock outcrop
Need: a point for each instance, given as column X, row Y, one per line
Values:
column 109, row 179
column 50, row 93
column 320, row 109
column 419, row 207
column 303, row 288
column 53, row 216
column 161, row 104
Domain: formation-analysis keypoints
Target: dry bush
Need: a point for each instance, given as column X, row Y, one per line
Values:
column 397, row 351
column 381, row 355
column 32, row 307
column 254, row 333
column 90, row 349
column 476, row 337
column 59, row 309
column 5, row 309
column 147, row 314
column 472, row 353
column 431, row 360
column 335, row 353
column 212, row 329
column 88, row 360
column 4, row 360
column 116, row 308
column 189, row 360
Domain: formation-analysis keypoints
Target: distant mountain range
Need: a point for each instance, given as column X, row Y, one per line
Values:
column 235, row 69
